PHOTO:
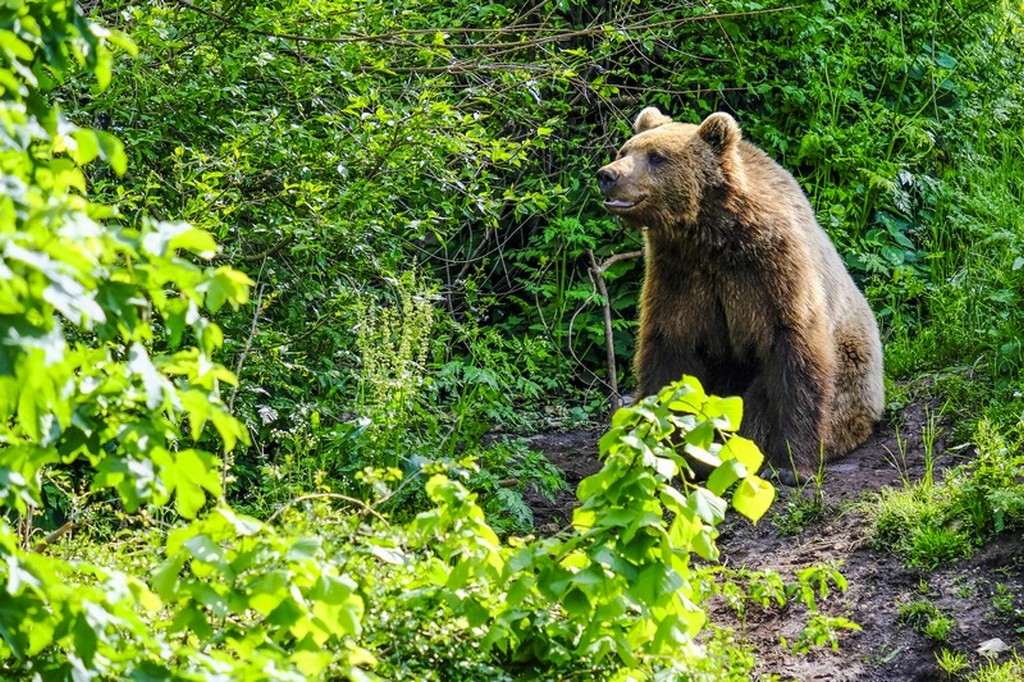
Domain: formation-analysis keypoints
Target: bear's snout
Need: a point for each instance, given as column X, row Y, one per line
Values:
column 606, row 179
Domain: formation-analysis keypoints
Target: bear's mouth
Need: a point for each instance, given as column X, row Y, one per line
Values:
column 622, row 204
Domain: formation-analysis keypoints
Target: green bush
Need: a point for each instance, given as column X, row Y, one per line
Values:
column 335, row 151
column 931, row 523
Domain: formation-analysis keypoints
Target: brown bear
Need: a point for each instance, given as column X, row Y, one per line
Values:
column 744, row 290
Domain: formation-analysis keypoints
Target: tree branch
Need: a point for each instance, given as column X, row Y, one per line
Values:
column 597, row 271
column 395, row 36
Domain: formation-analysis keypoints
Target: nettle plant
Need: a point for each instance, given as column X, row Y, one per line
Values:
column 105, row 355
column 616, row 589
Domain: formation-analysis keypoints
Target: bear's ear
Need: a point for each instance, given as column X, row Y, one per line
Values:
column 720, row 131
column 649, row 118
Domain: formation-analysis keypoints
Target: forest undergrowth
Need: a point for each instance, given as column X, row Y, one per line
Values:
column 284, row 284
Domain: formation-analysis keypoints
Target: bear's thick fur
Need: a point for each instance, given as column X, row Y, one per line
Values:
column 744, row 290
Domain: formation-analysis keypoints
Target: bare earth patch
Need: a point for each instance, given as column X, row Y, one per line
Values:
column 983, row 595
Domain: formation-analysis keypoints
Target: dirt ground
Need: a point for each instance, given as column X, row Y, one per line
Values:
column 885, row 650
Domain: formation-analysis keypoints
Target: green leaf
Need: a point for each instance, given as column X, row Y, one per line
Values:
column 86, row 146
column 727, row 410
column 226, row 285
column 744, row 451
column 576, row 602
column 654, row 583
column 304, row 549
column 153, row 381
column 165, row 578
column 707, row 506
column 753, row 496
column 204, row 549
column 15, row 47
column 704, row 544
column 86, row 640
column 161, row 238
column 192, row 475
column 724, row 475
column 702, row 436
column 683, row 530
column 112, row 150
column 268, row 591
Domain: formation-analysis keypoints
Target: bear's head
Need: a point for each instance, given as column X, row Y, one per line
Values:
column 662, row 174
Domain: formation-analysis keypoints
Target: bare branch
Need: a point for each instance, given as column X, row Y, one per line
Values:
column 612, row 260
column 365, row 508
column 400, row 38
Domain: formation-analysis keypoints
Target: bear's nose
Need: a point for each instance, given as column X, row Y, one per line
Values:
column 606, row 179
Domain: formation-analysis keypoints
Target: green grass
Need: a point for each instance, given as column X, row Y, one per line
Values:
column 952, row 663
column 912, row 522
column 1010, row 671
column 925, row 617
column 797, row 514
column 929, row 523
column 1004, row 605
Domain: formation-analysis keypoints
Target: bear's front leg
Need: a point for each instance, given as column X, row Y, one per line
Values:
column 786, row 405
column 660, row 361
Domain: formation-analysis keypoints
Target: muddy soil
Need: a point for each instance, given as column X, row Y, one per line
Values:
column 984, row 595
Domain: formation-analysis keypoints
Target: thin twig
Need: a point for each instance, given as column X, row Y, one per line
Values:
column 394, row 36
column 248, row 344
column 597, row 275
column 56, row 535
column 616, row 258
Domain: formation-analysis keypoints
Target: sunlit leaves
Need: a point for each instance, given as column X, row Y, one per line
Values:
column 191, row 475
column 753, row 496
column 269, row 593
column 88, row 145
column 164, row 239
column 83, row 375
column 223, row 285
column 639, row 528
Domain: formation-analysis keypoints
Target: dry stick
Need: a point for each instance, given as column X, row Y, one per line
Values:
column 365, row 508
column 597, row 275
column 248, row 343
column 394, row 37
column 56, row 535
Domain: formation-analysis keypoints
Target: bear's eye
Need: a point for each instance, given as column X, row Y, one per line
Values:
column 656, row 159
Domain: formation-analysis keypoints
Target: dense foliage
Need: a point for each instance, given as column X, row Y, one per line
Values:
column 404, row 193
column 433, row 163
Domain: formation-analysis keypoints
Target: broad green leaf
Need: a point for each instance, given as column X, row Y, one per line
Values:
column 724, row 475
column 576, row 602
column 154, row 383
column 704, row 543
column 268, row 591
column 204, row 549
column 744, row 451
column 112, row 151
column 729, row 409
column 683, row 530
column 14, row 46
column 752, row 497
column 693, row 616
column 702, row 436
column 85, row 146
column 707, row 506
column 189, row 475
column 654, row 583
column 671, row 635
column 226, row 285
column 165, row 578
column 304, row 549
